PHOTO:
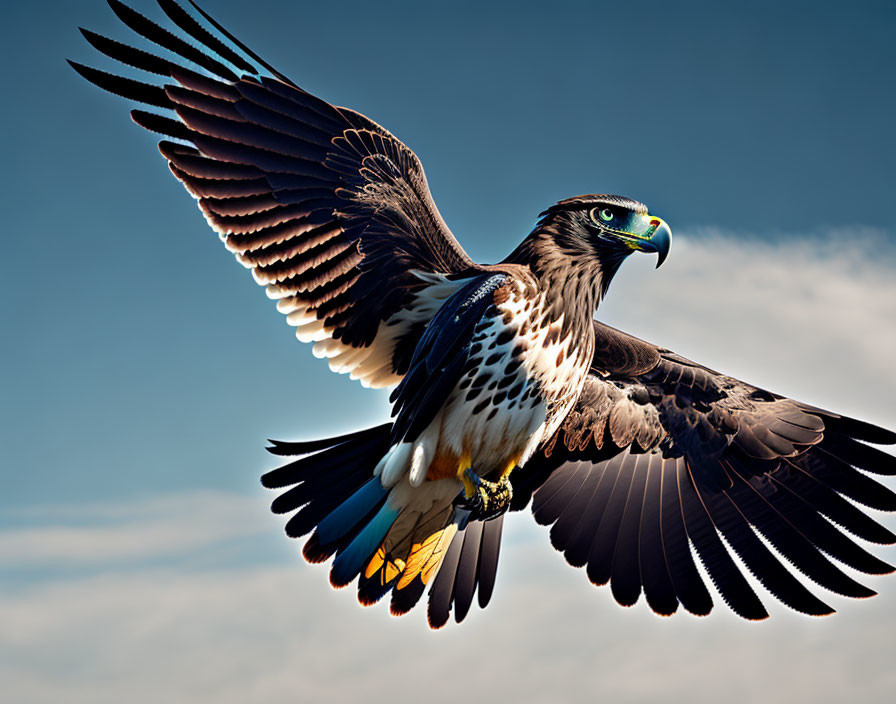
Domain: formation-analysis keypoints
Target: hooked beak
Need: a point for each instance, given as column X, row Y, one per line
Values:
column 658, row 239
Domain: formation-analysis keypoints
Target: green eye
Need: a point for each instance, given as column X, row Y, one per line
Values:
column 604, row 215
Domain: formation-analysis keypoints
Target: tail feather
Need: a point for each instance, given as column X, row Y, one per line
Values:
column 403, row 600
column 336, row 486
column 442, row 593
column 467, row 568
column 386, row 542
column 426, row 557
column 351, row 511
column 394, row 564
column 380, row 576
column 315, row 553
column 470, row 565
column 350, row 561
column 371, row 590
column 488, row 559
column 306, row 520
column 305, row 447
column 324, row 455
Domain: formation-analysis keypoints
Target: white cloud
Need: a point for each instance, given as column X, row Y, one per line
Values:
column 819, row 325
column 97, row 534
column 813, row 318
column 279, row 633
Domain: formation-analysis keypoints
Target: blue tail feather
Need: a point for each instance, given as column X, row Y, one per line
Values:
column 350, row 512
column 349, row 562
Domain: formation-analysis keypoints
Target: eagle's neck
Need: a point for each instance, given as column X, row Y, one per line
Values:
column 572, row 279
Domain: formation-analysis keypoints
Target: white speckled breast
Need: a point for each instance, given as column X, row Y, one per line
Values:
column 522, row 378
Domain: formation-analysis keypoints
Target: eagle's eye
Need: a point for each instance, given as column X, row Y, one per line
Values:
column 601, row 215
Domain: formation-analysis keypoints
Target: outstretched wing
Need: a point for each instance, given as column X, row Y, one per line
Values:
column 331, row 213
column 662, row 455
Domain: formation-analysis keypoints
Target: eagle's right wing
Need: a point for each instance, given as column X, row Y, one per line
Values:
column 662, row 457
column 331, row 213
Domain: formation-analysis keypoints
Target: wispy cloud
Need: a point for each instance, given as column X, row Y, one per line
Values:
column 109, row 533
column 814, row 317
column 275, row 633
column 817, row 322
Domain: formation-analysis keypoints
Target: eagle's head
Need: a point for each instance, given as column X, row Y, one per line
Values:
column 607, row 227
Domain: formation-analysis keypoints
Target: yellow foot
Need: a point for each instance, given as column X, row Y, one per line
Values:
column 484, row 499
column 471, row 483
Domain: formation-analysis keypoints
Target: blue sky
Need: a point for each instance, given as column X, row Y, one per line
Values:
column 143, row 368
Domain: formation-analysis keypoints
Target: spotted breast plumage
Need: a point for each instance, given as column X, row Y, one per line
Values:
column 507, row 390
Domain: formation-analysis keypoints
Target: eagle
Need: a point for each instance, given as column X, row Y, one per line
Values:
column 653, row 472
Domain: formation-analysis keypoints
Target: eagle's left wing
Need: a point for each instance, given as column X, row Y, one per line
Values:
column 330, row 212
column 662, row 455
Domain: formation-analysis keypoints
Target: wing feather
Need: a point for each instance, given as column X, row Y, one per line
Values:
column 330, row 211
column 603, row 547
column 625, row 573
column 577, row 546
column 690, row 590
column 788, row 540
column 724, row 573
column 656, row 579
column 661, row 456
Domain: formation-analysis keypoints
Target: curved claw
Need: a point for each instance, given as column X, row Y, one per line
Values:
column 484, row 499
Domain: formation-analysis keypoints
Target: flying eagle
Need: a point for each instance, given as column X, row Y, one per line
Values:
column 507, row 391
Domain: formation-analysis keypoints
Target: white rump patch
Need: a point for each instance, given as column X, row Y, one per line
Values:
column 397, row 465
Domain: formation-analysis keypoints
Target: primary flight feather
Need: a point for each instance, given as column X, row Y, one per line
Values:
column 507, row 391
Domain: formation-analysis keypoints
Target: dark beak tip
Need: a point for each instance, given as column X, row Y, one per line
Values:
column 662, row 241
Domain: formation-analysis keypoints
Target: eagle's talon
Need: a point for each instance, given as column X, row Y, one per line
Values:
column 484, row 499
